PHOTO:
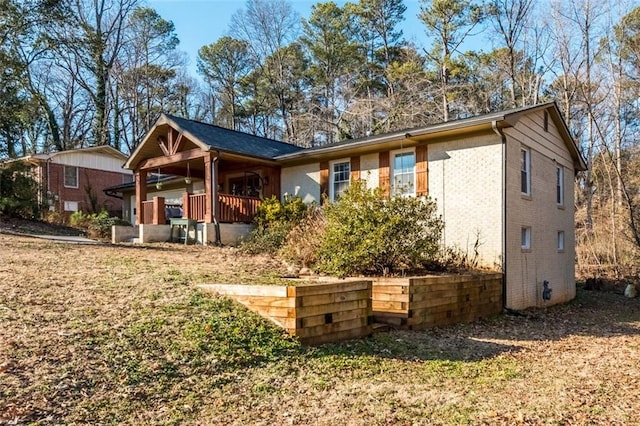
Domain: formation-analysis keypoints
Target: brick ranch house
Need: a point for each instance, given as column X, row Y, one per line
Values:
column 75, row 179
column 503, row 183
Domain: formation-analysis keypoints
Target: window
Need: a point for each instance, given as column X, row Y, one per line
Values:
column 340, row 177
column 70, row 176
column 525, row 238
column 560, row 244
column 126, row 178
column 70, row 206
column 404, row 173
column 525, row 171
column 560, row 185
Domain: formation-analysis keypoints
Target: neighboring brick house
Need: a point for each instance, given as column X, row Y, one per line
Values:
column 503, row 183
column 75, row 179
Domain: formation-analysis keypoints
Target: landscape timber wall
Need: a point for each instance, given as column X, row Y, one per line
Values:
column 424, row 302
column 315, row 313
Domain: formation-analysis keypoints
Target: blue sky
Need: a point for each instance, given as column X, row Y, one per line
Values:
column 202, row 22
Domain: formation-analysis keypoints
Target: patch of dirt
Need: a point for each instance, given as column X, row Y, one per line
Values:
column 35, row 227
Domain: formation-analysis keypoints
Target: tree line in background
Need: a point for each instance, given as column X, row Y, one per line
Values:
column 80, row 73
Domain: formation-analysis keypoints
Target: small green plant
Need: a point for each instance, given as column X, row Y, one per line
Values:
column 97, row 225
column 274, row 220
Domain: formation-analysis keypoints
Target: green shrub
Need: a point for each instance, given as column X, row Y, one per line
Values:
column 97, row 225
column 273, row 222
column 18, row 191
column 368, row 233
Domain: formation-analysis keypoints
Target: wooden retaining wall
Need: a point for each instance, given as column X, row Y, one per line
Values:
column 315, row 313
column 424, row 302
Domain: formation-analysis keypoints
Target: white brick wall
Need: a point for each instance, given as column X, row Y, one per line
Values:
column 527, row 269
column 465, row 181
column 302, row 181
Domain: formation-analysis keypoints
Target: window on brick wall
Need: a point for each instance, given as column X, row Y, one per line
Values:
column 560, row 241
column 70, row 176
column 525, row 238
column 340, row 177
column 560, row 185
column 404, row 173
column 525, row 171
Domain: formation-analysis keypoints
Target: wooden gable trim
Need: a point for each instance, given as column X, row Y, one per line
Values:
column 422, row 170
column 384, row 172
column 153, row 163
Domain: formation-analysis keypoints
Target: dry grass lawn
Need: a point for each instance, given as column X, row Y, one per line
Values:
column 120, row 334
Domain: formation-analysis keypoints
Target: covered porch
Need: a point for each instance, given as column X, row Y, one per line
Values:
column 214, row 177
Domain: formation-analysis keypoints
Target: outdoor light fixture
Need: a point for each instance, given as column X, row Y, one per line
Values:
column 158, row 183
column 187, row 180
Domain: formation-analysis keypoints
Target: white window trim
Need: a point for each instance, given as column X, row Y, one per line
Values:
column 560, row 241
column 411, row 192
column 332, row 195
column 560, row 183
column 64, row 177
column 525, row 243
column 527, row 169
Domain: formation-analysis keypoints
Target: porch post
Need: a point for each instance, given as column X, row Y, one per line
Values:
column 208, row 189
column 141, row 194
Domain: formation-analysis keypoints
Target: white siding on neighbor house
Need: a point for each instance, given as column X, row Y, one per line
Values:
column 91, row 160
column 302, row 181
column 465, row 180
column 528, row 269
column 369, row 170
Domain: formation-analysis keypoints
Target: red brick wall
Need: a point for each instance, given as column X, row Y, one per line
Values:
column 97, row 179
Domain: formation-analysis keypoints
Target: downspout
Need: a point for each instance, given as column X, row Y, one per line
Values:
column 503, row 138
column 214, row 196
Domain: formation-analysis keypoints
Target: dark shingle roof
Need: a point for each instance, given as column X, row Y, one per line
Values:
column 233, row 141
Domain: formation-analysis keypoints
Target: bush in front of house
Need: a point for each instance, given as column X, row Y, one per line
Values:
column 369, row 233
column 97, row 225
column 274, row 220
column 18, row 191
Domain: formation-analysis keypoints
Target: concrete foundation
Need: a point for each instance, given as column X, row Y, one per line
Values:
column 231, row 234
column 121, row 234
column 154, row 233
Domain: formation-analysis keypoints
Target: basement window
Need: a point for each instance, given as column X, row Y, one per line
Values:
column 525, row 238
column 560, row 241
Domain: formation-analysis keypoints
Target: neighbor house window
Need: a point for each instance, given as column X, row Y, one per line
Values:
column 70, row 176
column 340, row 176
column 545, row 124
column 560, row 241
column 404, row 173
column 525, row 171
column 70, row 206
column 560, row 185
column 525, row 238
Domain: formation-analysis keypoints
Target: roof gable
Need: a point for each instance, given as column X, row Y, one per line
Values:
column 210, row 138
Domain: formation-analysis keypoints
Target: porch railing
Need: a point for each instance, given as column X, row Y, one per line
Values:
column 197, row 207
column 237, row 208
column 147, row 212
column 231, row 208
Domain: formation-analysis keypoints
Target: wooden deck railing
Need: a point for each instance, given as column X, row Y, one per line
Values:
column 237, row 208
column 231, row 208
column 197, row 207
column 147, row 212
